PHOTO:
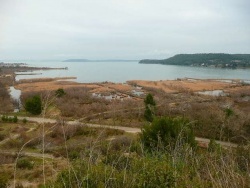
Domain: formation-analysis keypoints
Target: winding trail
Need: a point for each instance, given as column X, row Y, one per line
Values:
column 30, row 154
column 202, row 141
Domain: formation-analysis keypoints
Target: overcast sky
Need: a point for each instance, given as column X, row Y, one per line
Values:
column 121, row 29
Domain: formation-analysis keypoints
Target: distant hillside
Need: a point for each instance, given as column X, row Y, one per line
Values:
column 209, row 60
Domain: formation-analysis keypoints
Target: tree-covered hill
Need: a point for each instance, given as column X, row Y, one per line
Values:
column 210, row 59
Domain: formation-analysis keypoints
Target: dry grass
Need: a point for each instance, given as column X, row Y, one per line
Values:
column 173, row 86
column 52, row 84
column 110, row 157
column 6, row 104
column 57, row 137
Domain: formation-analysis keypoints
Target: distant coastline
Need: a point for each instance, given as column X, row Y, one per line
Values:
column 215, row 60
column 105, row 60
column 87, row 72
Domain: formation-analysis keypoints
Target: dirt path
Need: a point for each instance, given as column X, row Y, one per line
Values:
column 30, row 154
column 205, row 141
column 202, row 141
column 47, row 120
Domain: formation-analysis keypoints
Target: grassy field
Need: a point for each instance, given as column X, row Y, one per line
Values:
column 79, row 156
column 61, row 154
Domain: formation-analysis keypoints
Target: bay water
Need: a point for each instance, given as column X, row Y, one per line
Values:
column 115, row 71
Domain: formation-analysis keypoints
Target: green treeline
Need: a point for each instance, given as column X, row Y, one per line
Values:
column 210, row 59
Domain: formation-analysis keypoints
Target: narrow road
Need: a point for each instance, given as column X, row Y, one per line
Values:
column 201, row 141
column 30, row 154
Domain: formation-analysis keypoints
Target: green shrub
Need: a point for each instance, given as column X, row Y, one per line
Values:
column 2, row 136
column 119, row 171
column 3, row 181
column 74, row 155
column 60, row 92
column 117, row 160
column 243, row 157
column 153, row 173
column 10, row 119
column 229, row 112
column 25, row 120
column 34, row 105
column 24, row 163
column 15, row 119
column 4, row 118
column 213, row 146
column 167, row 132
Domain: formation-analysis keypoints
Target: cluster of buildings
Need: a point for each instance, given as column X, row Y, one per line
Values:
column 232, row 64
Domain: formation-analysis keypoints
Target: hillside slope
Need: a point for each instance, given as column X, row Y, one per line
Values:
column 211, row 59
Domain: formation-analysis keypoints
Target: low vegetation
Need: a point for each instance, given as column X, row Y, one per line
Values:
column 5, row 100
column 164, row 154
column 9, row 119
column 167, row 133
column 149, row 108
column 60, row 92
column 33, row 105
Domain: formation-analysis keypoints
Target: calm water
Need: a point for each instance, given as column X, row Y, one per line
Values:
column 15, row 94
column 123, row 71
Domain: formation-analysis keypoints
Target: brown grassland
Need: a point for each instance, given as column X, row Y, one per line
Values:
column 60, row 154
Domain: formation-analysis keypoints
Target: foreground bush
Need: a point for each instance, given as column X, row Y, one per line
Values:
column 178, row 168
column 165, row 133
column 3, row 181
column 148, row 172
column 129, row 165
column 24, row 164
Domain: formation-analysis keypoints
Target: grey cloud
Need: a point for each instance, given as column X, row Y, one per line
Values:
column 126, row 29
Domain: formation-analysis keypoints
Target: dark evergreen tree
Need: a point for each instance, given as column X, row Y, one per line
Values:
column 149, row 100
column 148, row 115
column 149, row 107
column 34, row 105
